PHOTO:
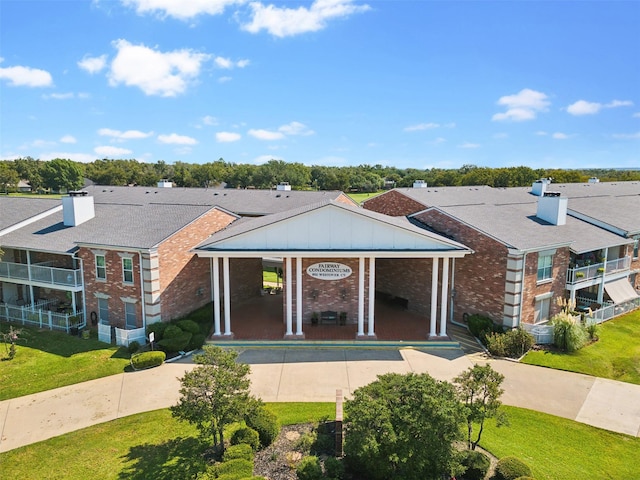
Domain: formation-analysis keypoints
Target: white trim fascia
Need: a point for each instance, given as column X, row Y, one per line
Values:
column 30, row 220
column 598, row 223
column 333, row 253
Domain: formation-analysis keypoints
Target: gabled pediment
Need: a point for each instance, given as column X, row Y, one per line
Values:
column 330, row 226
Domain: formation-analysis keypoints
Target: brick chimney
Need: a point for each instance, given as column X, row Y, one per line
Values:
column 552, row 208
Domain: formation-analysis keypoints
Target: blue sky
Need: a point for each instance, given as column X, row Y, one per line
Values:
column 417, row 84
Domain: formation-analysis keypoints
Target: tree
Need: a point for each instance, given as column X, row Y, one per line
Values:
column 403, row 427
column 215, row 394
column 478, row 388
column 60, row 173
column 8, row 177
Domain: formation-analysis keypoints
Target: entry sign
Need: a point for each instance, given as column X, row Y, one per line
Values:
column 329, row 271
column 152, row 337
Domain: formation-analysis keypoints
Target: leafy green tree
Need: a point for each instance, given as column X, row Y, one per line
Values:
column 215, row 394
column 59, row 173
column 403, row 427
column 478, row 388
column 29, row 170
column 9, row 178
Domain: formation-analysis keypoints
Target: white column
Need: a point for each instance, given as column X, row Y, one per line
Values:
column 289, row 299
column 444, row 299
column 215, row 262
column 434, row 298
column 361, row 298
column 227, row 296
column 298, row 296
column 372, row 295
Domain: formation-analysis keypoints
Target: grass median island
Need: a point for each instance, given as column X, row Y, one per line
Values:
column 156, row 445
column 616, row 355
column 47, row 359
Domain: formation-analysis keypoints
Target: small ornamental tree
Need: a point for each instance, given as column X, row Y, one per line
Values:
column 478, row 388
column 9, row 339
column 215, row 394
column 403, row 426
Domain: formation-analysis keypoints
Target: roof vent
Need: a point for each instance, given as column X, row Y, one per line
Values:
column 419, row 184
column 594, row 180
column 164, row 183
column 283, row 186
column 540, row 186
column 552, row 208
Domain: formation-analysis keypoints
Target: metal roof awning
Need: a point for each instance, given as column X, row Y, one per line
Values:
column 620, row 290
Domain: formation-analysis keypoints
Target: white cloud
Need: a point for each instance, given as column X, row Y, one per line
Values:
column 264, row 159
column 524, row 105
column 421, row 126
column 209, row 120
column 627, row 136
column 500, row 135
column 20, row 76
column 541, row 133
column 636, row 115
column 156, row 73
column 296, row 128
column 283, row 22
column 42, row 143
column 93, row 64
column 183, row 10
column 176, row 139
column 469, row 145
column 127, row 135
column 228, row 64
column 560, row 136
column 224, row 79
column 111, row 151
column 68, row 139
column 76, row 157
column 439, row 140
column 582, row 107
column 265, row 134
column 58, row 96
column 227, row 137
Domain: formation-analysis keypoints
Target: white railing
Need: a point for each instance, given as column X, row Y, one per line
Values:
column 125, row 337
column 589, row 272
column 41, row 274
column 40, row 318
column 542, row 333
column 104, row 332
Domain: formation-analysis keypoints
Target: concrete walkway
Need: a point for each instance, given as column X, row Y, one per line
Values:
column 285, row 375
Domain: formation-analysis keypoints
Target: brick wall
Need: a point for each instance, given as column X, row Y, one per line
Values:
column 393, row 203
column 185, row 277
column 407, row 278
column 480, row 277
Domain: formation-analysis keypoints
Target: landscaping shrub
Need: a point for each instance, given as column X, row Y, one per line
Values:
column 568, row 334
column 241, row 450
column 309, row 469
column 266, row 423
column 175, row 344
column 510, row 468
column 158, row 329
column 479, row 326
column 187, row 325
column 246, row 435
column 334, row 468
column 172, row 331
column 513, row 344
column 476, row 463
column 147, row 360
column 325, row 438
column 133, row 347
column 196, row 342
column 305, row 442
column 496, row 344
column 234, row 469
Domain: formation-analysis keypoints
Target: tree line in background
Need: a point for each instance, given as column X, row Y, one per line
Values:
column 59, row 174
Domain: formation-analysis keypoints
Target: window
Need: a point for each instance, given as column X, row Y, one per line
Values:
column 541, row 313
column 545, row 267
column 635, row 247
column 101, row 268
column 130, row 315
column 103, row 310
column 127, row 270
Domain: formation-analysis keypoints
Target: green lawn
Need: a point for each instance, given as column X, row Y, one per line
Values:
column 616, row 355
column 155, row 445
column 361, row 197
column 46, row 360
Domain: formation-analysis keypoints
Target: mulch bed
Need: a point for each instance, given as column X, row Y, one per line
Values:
column 277, row 461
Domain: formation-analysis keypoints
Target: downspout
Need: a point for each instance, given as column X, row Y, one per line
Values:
column 452, row 284
column 144, row 313
column 524, row 268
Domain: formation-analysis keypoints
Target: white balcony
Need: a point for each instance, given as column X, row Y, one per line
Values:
column 40, row 275
column 589, row 272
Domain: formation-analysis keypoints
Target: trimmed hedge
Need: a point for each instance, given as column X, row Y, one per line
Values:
column 510, row 468
column 476, row 463
column 480, row 325
column 266, row 423
column 175, row 344
column 158, row 329
column 241, row 450
column 172, row 331
column 246, row 435
column 187, row 325
column 147, row 360
column 196, row 342
column 237, row 468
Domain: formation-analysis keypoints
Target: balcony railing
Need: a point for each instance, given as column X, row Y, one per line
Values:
column 41, row 274
column 589, row 272
column 41, row 317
